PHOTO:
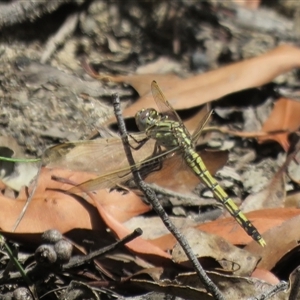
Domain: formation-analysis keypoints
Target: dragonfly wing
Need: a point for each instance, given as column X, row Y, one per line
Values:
column 99, row 156
column 183, row 179
column 162, row 103
column 103, row 182
column 114, row 178
column 200, row 126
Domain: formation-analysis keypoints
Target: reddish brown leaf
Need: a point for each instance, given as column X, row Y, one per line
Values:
column 56, row 209
column 285, row 116
column 265, row 276
column 140, row 82
column 263, row 220
column 138, row 245
column 281, row 239
column 203, row 88
column 231, row 231
column 252, row 4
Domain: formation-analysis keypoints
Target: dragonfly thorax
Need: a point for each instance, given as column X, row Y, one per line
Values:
column 146, row 118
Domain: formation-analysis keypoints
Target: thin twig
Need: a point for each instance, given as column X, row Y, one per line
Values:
column 81, row 260
column 28, row 201
column 151, row 197
column 185, row 200
column 60, row 37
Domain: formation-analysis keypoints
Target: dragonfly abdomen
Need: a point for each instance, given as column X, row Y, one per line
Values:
column 197, row 165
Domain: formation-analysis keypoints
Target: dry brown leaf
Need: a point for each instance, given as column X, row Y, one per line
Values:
column 141, row 82
column 265, row 275
column 263, row 220
column 48, row 209
column 285, row 116
column 138, row 245
column 203, row 88
column 281, row 239
column 122, row 206
column 230, row 258
column 56, row 209
column 189, row 286
column 252, row 4
column 273, row 195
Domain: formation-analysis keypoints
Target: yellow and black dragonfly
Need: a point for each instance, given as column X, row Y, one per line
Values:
column 169, row 131
column 166, row 128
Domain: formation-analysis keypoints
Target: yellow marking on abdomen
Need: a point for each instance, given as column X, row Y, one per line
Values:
column 197, row 165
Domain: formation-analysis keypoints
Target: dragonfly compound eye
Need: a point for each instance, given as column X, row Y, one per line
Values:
column 146, row 118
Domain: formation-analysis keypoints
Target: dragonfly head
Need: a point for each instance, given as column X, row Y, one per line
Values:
column 146, row 118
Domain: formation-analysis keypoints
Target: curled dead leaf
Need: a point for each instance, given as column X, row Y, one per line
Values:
column 285, row 116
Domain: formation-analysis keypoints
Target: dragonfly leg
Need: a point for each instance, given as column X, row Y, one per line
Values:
column 157, row 150
column 156, row 165
column 140, row 143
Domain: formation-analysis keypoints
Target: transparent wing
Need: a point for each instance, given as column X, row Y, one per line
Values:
column 114, row 178
column 200, row 126
column 166, row 109
column 99, row 156
column 162, row 103
column 105, row 156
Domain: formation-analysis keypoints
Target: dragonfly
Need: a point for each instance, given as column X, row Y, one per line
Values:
column 165, row 127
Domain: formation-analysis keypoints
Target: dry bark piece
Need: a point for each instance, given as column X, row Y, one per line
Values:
column 188, row 286
column 20, row 11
